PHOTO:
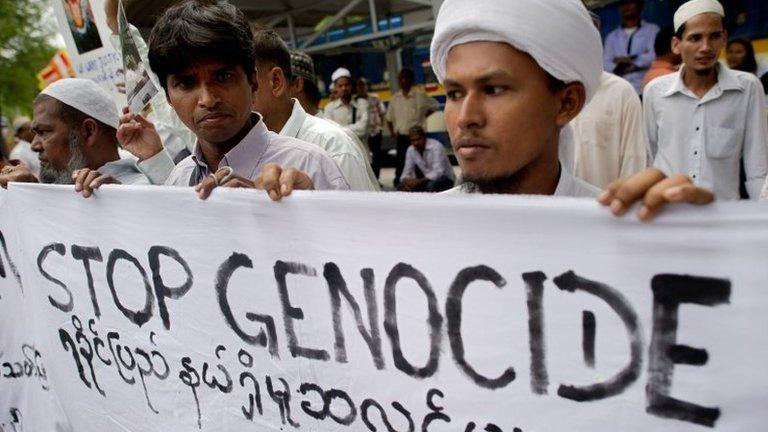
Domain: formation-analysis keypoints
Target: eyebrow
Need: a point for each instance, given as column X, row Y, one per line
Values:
column 481, row 79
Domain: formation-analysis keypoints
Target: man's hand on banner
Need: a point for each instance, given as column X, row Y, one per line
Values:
column 138, row 135
column 88, row 180
column 225, row 177
column 21, row 174
column 655, row 190
column 275, row 180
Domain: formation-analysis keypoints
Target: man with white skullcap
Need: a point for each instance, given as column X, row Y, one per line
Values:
column 509, row 95
column 352, row 114
column 75, row 128
column 705, row 118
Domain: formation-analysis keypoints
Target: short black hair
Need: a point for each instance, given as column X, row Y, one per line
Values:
column 679, row 32
column 408, row 72
column 270, row 48
column 198, row 29
column 663, row 43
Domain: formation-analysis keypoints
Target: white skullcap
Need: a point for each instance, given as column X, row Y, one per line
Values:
column 341, row 73
column 558, row 34
column 87, row 97
column 696, row 7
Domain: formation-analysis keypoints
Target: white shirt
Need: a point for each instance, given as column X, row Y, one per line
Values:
column 705, row 138
column 124, row 170
column 23, row 152
column 405, row 112
column 433, row 163
column 567, row 186
column 339, row 146
column 356, row 120
column 764, row 195
column 609, row 139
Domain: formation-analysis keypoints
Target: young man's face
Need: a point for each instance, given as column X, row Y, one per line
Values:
column 500, row 111
column 703, row 39
column 343, row 87
column 418, row 141
column 213, row 99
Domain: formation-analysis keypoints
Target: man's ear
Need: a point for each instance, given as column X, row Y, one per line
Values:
column 572, row 99
column 90, row 130
column 675, row 45
column 278, row 83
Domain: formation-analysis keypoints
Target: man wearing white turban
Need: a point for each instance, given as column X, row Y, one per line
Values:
column 509, row 96
column 705, row 118
column 75, row 128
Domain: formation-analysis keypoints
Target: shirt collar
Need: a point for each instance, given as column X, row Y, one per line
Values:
column 295, row 121
column 726, row 80
column 245, row 156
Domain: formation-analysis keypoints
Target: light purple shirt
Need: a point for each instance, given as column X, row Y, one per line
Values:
column 638, row 45
column 261, row 147
column 433, row 163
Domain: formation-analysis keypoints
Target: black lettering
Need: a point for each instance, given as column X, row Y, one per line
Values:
column 669, row 291
column 11, row 265
column 435, row 321
column 338, row 287
column 618, row 383
column 589, row 328
column 226, row 270
column 141, row 316
column 453, row 309
column 534, row 287
column 368, row 403
column 163, row 291
column 291, row 313
column 86, row 254
column 283, row 400
column 61, row 250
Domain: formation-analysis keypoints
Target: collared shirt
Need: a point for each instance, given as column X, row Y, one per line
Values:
column 376, row 110
column 339, row 146
column 124, row 170
column 609, row 140
column 405, row 112
column 764, row 194
column 258, row 148
column 659, row 68
column 433, row 163
column 567, row 186
column 23, row 152
column 637, row 45
column 706, row 138
column 353, row 116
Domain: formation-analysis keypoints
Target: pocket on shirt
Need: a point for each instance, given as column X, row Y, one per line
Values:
column 721, row 142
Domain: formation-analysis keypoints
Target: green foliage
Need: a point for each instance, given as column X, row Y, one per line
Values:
column 25, row 48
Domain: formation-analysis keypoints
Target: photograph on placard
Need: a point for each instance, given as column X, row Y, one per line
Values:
column 82, row 25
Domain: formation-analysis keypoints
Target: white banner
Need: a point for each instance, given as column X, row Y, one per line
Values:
column 83, row 25
column 156, row 311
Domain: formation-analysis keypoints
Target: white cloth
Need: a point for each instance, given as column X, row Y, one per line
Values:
column 353, row 116
column 339, row 146
column 340, row 73
column 125, row 170
column 87, row 97
column 23, row 152
column 609, row 139
column 705, row 138
column 405, row 112
column 567, row 186
column 433, row 163
column 696, row 7
column 764, row 194
column 558, row 34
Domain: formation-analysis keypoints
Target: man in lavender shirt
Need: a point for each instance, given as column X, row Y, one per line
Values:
column 427, row 168
column 203, row 54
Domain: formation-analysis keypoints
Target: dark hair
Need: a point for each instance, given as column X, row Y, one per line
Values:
column 663, row 43
column 269, row 48
column 408, row 72
column 750, row 63
column 764, row 80
column 417, row 130
column 312, row 92
column 637, row 2
column 198, row 29
column 680, row 31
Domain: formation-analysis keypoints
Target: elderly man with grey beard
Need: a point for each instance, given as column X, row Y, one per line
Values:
column 75, row 136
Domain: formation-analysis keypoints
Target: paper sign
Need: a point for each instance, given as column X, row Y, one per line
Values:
column 138, row 86
column 157, row 311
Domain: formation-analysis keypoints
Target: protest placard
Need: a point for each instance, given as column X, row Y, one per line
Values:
column 157, row 311
column 139, row 88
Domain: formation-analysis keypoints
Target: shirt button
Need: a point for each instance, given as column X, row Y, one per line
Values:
column 697, row 128
column 694, row 176
column 695, row 153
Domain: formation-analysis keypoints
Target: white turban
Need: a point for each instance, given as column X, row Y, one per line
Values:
column 341, row 73
column 558, row 34
column 696, row 7
column 87, row 97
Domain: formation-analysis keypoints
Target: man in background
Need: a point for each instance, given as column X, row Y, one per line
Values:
column 22, row 151
column 629, row 48
column 427, row 168
column 376, row 111
column 344, row 110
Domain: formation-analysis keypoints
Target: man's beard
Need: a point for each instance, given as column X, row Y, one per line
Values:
column 501, row 184
column 77, row 161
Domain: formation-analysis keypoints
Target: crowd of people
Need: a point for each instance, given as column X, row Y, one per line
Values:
column 554, row 114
